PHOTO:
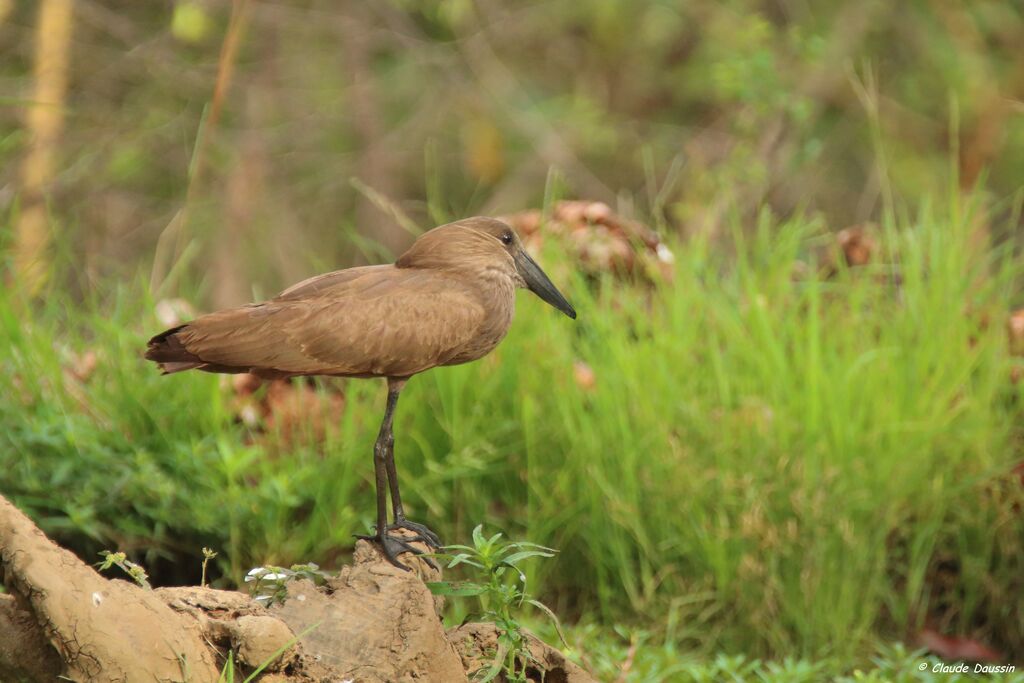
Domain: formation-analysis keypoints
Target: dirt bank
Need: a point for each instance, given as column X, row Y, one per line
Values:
column 373, row 623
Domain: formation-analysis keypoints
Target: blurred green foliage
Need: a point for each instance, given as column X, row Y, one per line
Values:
column 774, row 465
column 637, row 658
column 777, row 465
column 455, row 107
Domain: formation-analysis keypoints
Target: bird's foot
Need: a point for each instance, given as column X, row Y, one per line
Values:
column 391, row 546
column 423, row 533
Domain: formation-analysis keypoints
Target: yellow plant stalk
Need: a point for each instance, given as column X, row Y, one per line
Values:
column 44, row 121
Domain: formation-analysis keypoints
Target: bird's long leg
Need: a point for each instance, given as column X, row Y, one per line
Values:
column 381, row 477
column 425, row 534
column 383, row 452
column 394, row 387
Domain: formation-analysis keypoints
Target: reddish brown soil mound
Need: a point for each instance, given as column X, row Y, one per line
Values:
column 373, row 623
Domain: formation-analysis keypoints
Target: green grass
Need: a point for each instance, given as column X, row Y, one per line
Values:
column 768, row 464
column 637, row 657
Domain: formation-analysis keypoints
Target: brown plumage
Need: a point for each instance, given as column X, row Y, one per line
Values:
column 449, row 299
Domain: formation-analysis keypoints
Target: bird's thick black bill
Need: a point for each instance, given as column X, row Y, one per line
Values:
column 541, row 285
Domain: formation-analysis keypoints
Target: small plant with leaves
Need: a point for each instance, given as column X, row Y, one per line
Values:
column 501, row 589
column 268, row 585
column 132, row 569
column 208, row 555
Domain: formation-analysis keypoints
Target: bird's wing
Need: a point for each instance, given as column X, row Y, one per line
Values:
column 249, row 338
column 324, row 284
column 397, row 326
column 382, row 322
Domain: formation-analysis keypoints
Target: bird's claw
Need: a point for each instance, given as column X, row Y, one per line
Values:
column 425, row 534
column 392, row 546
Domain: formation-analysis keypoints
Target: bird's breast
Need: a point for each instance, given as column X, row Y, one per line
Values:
column 499, row 308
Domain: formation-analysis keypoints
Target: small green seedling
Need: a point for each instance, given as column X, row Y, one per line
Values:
column 130, row 568
column 268, row 585
column 501, row 588
column 207, row 556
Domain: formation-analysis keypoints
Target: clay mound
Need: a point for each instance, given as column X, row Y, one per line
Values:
column 477, row 643
column 99, row 629
column 373, row 623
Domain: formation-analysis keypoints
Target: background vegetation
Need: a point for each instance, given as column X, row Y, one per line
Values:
column 761, row 454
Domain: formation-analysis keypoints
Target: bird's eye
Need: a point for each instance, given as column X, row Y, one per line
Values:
column 506, row 237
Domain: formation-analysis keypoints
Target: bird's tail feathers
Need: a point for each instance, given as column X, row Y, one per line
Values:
column 167, row 351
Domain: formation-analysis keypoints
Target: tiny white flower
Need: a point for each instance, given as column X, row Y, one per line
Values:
column 255, row 573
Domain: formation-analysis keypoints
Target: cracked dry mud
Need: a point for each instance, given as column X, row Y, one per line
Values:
column 373, row 623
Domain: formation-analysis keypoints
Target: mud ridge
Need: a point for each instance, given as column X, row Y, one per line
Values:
column 372, row 623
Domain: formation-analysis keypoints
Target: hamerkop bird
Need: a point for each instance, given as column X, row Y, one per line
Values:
column 449, row 299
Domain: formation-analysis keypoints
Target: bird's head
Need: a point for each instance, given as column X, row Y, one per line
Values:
column 482, row 243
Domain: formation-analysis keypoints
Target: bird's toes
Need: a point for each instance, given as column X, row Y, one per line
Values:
column 395, row 561
column 425, row 534
column 393, row 546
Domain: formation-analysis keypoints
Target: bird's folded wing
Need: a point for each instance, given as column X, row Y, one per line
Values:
column 251, row 337
column 392, row 331
column 325, row 284
column 380, row 323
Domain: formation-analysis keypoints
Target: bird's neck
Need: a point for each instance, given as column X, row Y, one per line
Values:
column 497, row 292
